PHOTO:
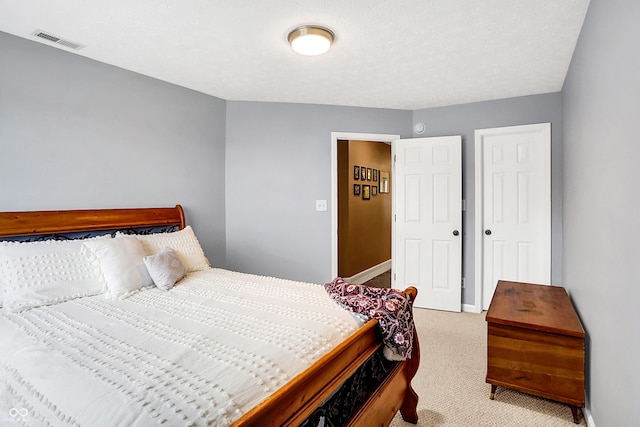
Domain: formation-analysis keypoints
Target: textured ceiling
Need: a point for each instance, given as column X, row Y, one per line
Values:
column 408, row 54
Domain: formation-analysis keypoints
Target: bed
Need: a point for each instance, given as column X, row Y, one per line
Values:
column 112, row 368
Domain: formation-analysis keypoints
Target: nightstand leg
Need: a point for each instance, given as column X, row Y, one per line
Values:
column 493, row 392
column 574, row 412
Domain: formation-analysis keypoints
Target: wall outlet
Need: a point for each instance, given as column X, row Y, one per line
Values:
column 321, row 205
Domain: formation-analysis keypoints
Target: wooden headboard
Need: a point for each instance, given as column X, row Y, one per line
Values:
column 51, row 222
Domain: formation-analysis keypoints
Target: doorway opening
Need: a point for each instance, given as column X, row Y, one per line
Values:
column 364, row 210
column 362, row 205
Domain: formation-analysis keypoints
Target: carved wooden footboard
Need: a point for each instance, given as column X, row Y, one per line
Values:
column 294, row 402
column 298, row 399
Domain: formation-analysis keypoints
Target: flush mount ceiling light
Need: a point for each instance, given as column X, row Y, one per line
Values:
column 311, row 40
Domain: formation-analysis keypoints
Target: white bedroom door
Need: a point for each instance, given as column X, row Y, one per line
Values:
column 427, row 202
column 514, row 192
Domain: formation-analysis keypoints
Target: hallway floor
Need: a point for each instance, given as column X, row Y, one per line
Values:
column 381, row 281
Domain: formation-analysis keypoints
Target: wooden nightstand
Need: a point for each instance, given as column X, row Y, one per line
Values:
column 535, row 343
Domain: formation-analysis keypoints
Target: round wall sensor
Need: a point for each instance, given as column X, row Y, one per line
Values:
column 419, row 128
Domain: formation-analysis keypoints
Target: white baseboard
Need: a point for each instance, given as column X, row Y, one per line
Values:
column 368, row 274
column 586, row 413
column 468, row 308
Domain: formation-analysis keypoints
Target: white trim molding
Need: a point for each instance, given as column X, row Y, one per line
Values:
column 471, row 308
column 586, row 413
column 335, row 136
column 369, row 273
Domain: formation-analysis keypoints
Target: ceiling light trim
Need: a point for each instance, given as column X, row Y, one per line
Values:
column 311, row 40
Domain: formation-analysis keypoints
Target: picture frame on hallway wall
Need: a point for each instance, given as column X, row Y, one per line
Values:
column 356, row 189
column 356, row 173
column 363, row 173
column 366, row 192
column 384, row 182
column 375, row 175
column 374, row 190
column 369, row 174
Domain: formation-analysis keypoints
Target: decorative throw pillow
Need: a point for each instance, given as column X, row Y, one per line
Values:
column 48, row 272
column 165, row 268
column 391, row 307
column 183, row 242
column 122, row 265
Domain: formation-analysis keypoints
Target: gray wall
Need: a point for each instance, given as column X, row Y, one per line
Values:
column 464, row 120
column 79, row 134
column 601, row 109
column 278, row 163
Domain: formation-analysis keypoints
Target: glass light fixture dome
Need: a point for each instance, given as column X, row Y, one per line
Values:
column 311, row 40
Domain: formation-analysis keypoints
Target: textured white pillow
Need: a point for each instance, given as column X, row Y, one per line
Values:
column 48, row 272
column 165, row 268
column 183, row 242
column 121, row 262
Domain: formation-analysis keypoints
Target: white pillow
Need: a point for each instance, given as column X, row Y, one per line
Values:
column 183, row 242
column 165, row 268
column 121, row 264
column 48, row 272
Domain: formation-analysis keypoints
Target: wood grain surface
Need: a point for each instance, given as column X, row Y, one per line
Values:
column 541, row 307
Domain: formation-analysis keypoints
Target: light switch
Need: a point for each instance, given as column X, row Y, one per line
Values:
column 321, row 205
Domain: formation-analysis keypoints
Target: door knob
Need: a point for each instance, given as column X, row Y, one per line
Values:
column 456, row 232
column 487, row 232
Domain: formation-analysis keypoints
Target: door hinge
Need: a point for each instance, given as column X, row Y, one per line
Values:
column 394, row 157
column 394, row 276
column 462, row 282
column 394, row 217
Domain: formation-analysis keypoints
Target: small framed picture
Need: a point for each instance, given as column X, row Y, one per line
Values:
column 366, row 192
column 384, row 182
column 356, row 173
column 356, row 189
column 363, row 173
column 375, row 175
column 374, row 190
column 369, row 174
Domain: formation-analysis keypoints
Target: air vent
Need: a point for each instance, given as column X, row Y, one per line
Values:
column 57, row 40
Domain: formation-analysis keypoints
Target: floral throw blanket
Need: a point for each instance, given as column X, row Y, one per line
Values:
column 390, row 307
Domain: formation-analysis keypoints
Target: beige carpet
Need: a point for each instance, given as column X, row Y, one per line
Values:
column 451, row 380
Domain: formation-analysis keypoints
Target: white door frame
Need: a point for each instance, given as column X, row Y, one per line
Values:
column 479, row 208
column 335, row 136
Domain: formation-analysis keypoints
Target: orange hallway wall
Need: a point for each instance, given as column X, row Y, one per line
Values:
column 364, row 226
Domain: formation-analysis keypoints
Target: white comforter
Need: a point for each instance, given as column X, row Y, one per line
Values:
column 203, row 353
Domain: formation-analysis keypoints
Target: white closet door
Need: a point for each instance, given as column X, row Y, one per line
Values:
column 515, row 211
